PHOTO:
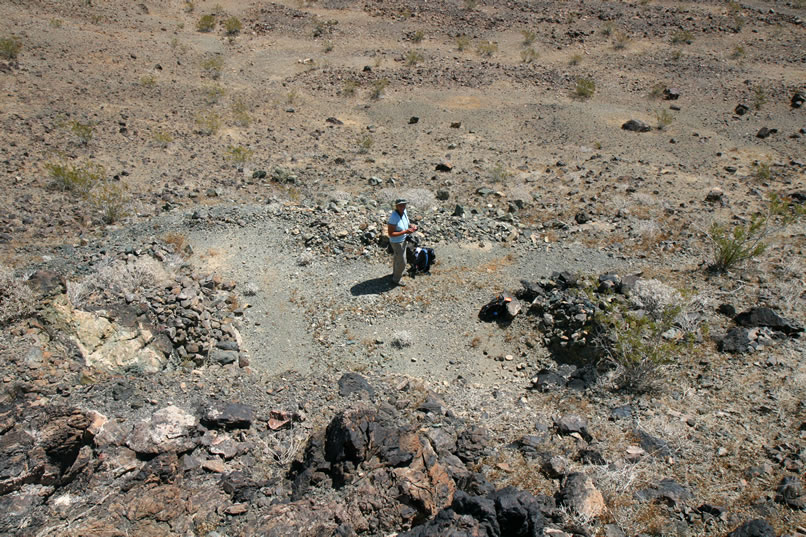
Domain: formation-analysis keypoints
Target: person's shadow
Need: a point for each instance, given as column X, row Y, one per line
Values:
column 375, row 286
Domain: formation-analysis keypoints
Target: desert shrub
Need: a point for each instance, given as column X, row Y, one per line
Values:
column 657, row 91
column 110, row 200
column 414, row 57
column 349, row 87
column 738, row 52
column 664, row 118
column 499, row 173
column 207, row 123
column 677, row 54
column 759, row 98
column 734, row 245
column 16, row 298
column 585, row 88
column 78, row 178
column 681, row 37
column 118, row 278
column 487, row 49
column 162, row 138
column 82, row 131
column 240, row 113
column 365, row 143
column 462, row 42
column 10, row 48
column 762, row 171
column 377, row 88
column 213, row 93
column 470, row 5
column 607, row 31
column 323, row 28
column 620, row 40
column 417, row 36
column 528, row 55
column 206, row 23
column 327, row 46
column 238, row 154
column 232, row 25
column 528, row 37
column 148, row 81
column 576, row 59
column 212, row 66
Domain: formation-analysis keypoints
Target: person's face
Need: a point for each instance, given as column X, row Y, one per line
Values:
column 400, row 207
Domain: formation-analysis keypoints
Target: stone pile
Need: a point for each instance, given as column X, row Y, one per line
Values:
column 756, row 328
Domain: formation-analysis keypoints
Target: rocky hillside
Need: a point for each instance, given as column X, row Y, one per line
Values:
column 199, row 332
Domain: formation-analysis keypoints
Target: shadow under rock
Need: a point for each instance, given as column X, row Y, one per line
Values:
column 375, row 286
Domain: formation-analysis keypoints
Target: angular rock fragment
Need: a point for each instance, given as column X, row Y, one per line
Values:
column 636, row 125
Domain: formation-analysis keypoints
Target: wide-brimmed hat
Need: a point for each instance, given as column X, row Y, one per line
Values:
column 401, row 201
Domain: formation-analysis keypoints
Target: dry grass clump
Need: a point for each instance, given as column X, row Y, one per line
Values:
column 16, row 299
column 117, row 278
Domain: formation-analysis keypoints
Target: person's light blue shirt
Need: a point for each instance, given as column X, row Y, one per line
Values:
column 401, row 223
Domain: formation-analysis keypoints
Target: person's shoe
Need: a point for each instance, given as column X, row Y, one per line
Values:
column 399, row 284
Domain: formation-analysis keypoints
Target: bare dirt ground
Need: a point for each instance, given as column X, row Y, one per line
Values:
column 273, row 149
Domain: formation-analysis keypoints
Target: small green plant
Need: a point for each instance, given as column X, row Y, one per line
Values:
column 240, row 113
column 10, row 48
column 528, row 37
column 657, row 91
column 620, row 40
column 82, row 131
column 470, row 5
column 585, row 88
column 189, row 6
column 732, row 246
column 462, row 43
column 327, row 46
column 664, row 118
column 212, row 66
column 677, row 54
column 111, row 201
column 417, row 36
column 239, row 154
column 55, row 23
column 349, row 87
column 206, row 23
column 528, row 55
column 762, row 171
column 576, row 59
column 365, row 143
column 597, row 145
column 414, row 57
column 148, row 81
column 378, row 88
column 487, row 49
column 207, row 123
column 322, row 28
column 213, row 93
column 162, row 138
column 499, row 173
column 682, row 37
column 292, row 97
column 607, row 31
column 232, row 26
column 738, row 53
column 77, row 178
column 759, row 98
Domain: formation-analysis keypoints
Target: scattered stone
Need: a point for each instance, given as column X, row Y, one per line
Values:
column 579, row 494
column 168, row 429
column 572, row 423
column 741, row 109
column 667, row 490
column 351, row 383
column 229, row 416
column 636, row 125
column 754, row 528
column 671, row 94
column 223, row 357
column 414, row 120
column 790, row 492
column 456, row 124
column 334, row 121
column 728, row 310
column 797, row 100
column 715, row 195
column 582, row 217
column 765, row 132
column 443, row 195
column 444, row 167
column 652, row 444
column 766, row 317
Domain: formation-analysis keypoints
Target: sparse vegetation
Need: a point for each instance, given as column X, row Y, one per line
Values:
column 78, row 178
column 365, row 143
column 110, row 200
column 681, row 37
column 576, row 59
column 207, row 123
column 462, row 43
column 620, row 40
column 759, row 98
column 212, row 66
column 487, row 49
column 470, row 5
column 10, row 48
column 762, row 171
column 738, row 52
column 206, row 23
column 677, row 54
column 657, row 91
column 240, row 113
column 414, row 57
column 238, row 154
column 55, row 23
column 378, row 88
column 322, row 28
column 499, row 173
column 607, row 31
column 417, row 36
column 162, row 138
column 16, row 298
column 528, row 55
column 585, row 88
column 232, row 26
column 528, row 37
column 82, row 131
column 213, row 93
column 664, row 118
column 148, row 81
column 327, row 46
column 349, row 87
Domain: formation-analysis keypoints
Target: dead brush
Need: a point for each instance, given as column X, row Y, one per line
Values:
column 178, row 241
column 16, row 298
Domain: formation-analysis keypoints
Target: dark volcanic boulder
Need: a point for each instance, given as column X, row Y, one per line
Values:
column 636, row 125
column 766, row 317
column 754, row 528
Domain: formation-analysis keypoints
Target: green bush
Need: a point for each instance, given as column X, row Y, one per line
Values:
column 365, row 143
column 413, row 58
column 212, row 66
column 682, row 37
column 585, row 88
column 76, row 178
column 10, row 48
column 576, row 59
column 462, row 43
column 238, row 154
column 207, row 123
column 111, row 201
column 232, row 25
column 162, row 138
column 240, row 113
column 349, row 87
column 528, row 37
column 206, row 23
column 664, row 118
column 528, row 55
column 759, row 98
column 417, row 36
column 487, row 49
column 377, row 88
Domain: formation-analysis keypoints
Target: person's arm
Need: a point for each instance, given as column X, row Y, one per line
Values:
column 391, row 230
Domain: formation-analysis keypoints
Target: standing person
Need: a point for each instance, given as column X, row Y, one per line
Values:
column 397, row 228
